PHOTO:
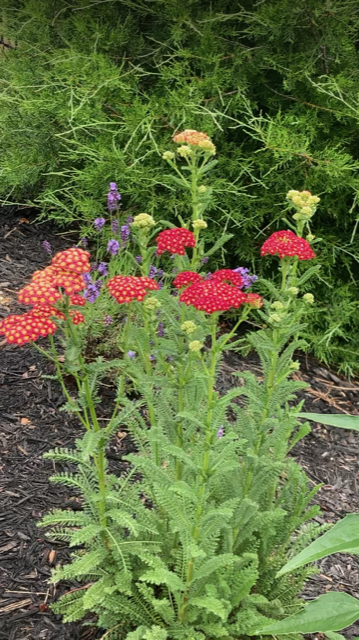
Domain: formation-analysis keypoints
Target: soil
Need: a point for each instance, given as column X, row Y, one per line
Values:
column 31, row 424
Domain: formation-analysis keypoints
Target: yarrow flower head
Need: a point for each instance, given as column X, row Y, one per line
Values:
column 304, row 203
column 293, row 291
column 127, row 288
column 195, row 345
column 308, row 298
column 175, row 240
column 229, row 276
column 143, row 221
column 184, row 151
column 73, row 259
column 287, row 244
column 188, row 327
column 98, row 223
column 254, row 300
column 26, row 328
column 113, row 197
column 113, row 247
column 248, row 279
column 190, row 136
column 46, row 246
column 212, row 296
column 186, row 278
column 168, row 155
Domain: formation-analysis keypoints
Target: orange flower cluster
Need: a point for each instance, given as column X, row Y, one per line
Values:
column 175, row 240
column 65, row 272
column 212, row 296
column 127, row 288
column 190, row 136
column 254, row 300
column 287, row 244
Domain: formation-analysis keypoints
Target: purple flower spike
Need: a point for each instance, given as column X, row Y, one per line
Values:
column 204, row 260
column 87, row 278
column 220, row 432
column 152, row 358
column 115, row 226
column 113, row 247
column 129, row 220
column 98, row 223
column 131, row 354
column 161, row 330
column 84, row 242
column 152, row 271
column 247, row 278
column 125, row 233
column 138, row 259
column 46, row 247
column 113, row 198
column 108, row 320
column 91, row 293
column 102, row 269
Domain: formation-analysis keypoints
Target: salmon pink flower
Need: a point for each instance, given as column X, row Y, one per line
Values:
column 73, row 259
column 254, row 300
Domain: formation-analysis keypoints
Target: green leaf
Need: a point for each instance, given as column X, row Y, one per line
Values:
column 331, row 635
column 333, row 420
column 219, row 244
column 342, row 538
column 330, row 612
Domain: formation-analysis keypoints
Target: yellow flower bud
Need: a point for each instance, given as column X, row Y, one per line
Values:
column 295, row 365
column 307, row 211
column 168, row 155
column 313, row 199
column 184, row 151
column 202, row 188
column 308, row 298
column 275, row 317
column 151, row 303
column 277, row 305
column 293, row 291
column 195, row 345
column 292, row 193
column 189, row 327
column 143, row 221
column 297, row 200
column 199, row 224
column 207, row 145
column 310, row 237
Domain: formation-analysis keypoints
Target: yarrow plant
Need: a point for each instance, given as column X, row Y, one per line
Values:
column 192, row 541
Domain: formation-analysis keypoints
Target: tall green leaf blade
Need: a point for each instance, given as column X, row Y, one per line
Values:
column 342, row 538
column 330, row 612
column 333, row 420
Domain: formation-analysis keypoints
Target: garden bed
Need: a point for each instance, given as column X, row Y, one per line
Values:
column 31, row 423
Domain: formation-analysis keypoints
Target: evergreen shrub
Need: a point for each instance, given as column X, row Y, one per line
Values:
column 92, row 91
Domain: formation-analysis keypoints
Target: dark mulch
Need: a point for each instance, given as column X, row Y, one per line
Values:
column 31, row 423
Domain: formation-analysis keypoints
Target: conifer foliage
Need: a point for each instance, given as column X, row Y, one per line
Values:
column 92, row 91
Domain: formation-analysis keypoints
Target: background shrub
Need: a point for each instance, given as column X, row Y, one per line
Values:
column 93, row 92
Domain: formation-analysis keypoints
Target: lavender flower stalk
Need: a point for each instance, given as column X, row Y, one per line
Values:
column 113, row 198
column 99, row 223
column 113, row 247
column 46, row 247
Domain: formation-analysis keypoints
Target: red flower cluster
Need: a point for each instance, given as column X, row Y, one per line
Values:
column 185, row 278
column 254, row 300
column 211, row 296
column 128, row 288
column 286, row 243
column 42, row 292
column 191, row 136
column 75, row 260
column 26, row 328
column 175, row 240
column 229, row 276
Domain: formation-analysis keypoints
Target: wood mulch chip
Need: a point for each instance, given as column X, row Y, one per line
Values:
column 31, row 424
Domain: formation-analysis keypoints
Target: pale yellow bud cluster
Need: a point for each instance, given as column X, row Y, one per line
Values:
column 208, row 146
column 143, row 221
column 195, row 345
column 199, row 224
column 277, row 305
column 151, row 303
column 168, row 155
column 293, row 291
column 308, row 298
column 275, row 317
column 202, row 188
column 304, row 202
column 184, row 151
column 295, row 365
column 310, row 237
column 188, row 327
